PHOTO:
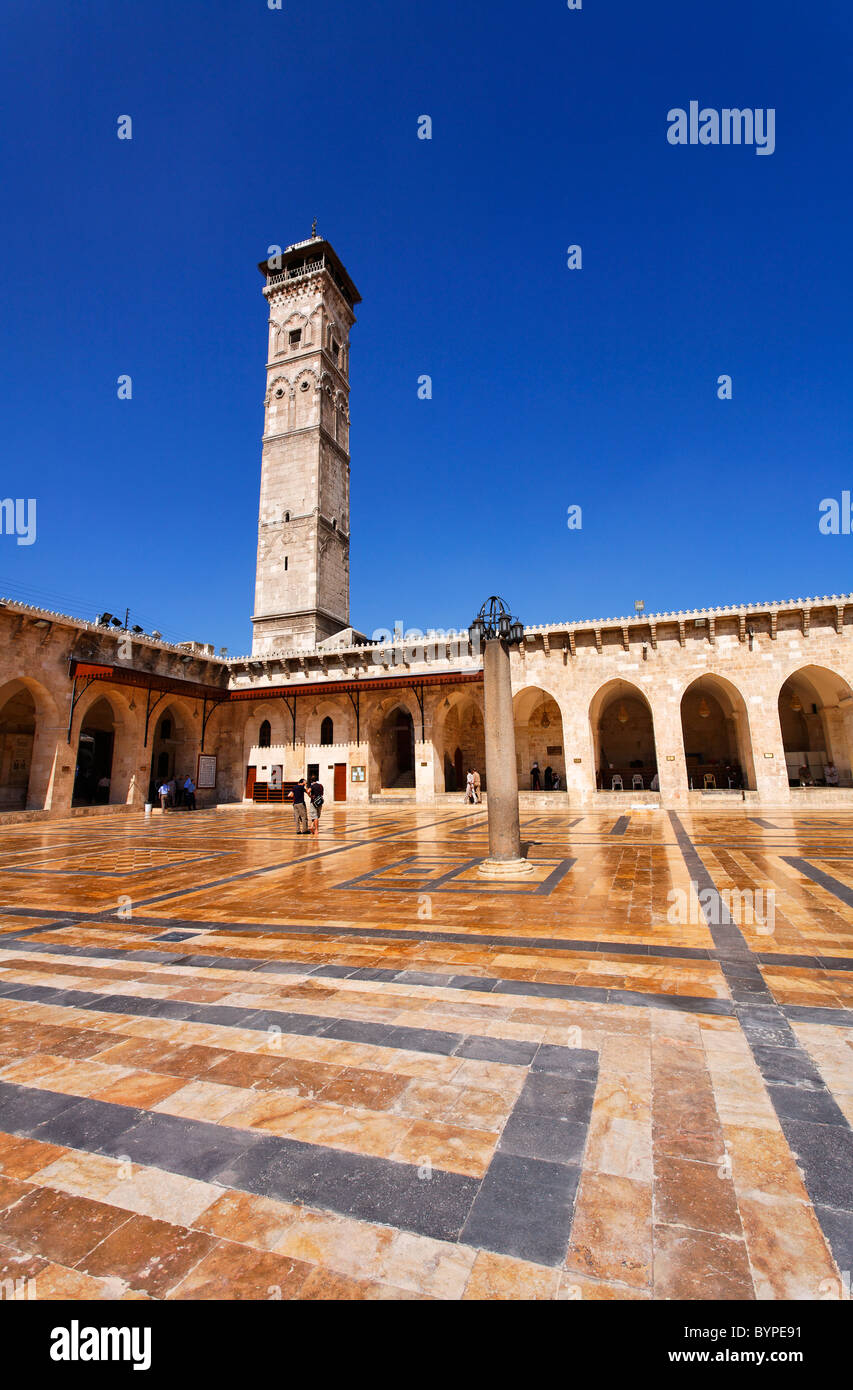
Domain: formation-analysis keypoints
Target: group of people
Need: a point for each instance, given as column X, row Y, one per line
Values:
column 472, row 788
column 805, row 776
column 307, row 797
column 172, row 794
column 551, row 779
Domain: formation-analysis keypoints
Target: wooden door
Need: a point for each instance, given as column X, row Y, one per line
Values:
column 251, row 773
column 340, row 781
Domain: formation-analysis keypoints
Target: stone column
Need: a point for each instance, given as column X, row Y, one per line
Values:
column 505, row 858
column 768, row 751
column 673, row 777
column 424, row 771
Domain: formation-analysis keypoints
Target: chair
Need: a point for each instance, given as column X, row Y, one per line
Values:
column 614, row 780
column 710, row 782
column 637, row 782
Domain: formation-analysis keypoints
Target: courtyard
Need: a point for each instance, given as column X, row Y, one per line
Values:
column 237, row 1064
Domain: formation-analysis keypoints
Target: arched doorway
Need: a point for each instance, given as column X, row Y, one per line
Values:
column 539, row 739
column 816, row 720
column 93, row 774
column 396, row 750
column 17, row 736
column 164, row 753
column 717, row 742
column 623, row 739
column 460, row 740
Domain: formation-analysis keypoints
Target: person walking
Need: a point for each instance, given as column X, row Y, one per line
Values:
column 477, row 797
column 189, row 794
column 549, row 778
column 535, row 780
column 315, row 806
column 163, row 793
column 469, row 788
column 300, row 813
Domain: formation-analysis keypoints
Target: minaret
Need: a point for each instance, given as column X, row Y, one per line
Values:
column 302, row 576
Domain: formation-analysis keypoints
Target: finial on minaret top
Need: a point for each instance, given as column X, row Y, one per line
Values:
column 314, row 227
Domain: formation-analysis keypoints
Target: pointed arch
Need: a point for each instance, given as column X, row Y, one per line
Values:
column 623, row 736
column 815, row 706
column 717, row 739
column 539, row 741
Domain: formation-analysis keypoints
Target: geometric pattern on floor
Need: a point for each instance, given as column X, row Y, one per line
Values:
column 352, row 1069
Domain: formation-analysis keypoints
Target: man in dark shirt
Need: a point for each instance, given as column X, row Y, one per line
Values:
column 300, row 814
column 315, row 796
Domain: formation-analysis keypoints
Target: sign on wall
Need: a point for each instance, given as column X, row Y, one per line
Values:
column 206, row 779
column 358, row 774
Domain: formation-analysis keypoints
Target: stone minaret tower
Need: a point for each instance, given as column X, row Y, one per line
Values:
column 302, row 577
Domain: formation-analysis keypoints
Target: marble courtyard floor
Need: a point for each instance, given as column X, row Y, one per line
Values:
column 237, row 1064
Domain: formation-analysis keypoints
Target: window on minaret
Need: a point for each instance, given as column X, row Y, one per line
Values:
column 285, row 562
column 327, row 731
column 336, row 350
column 264, row 734
column 295, row 337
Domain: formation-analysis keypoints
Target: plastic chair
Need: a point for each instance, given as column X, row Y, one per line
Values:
column 637, row 782
column 710, row 781
column 614, row 780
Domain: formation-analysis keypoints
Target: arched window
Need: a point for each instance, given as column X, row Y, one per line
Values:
column 166, row 728
column 265, row 735
column 327, row 731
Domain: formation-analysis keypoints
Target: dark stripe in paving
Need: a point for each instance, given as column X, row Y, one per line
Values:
column 620, row 826
column 813, row 1123
column 234, row 1017
column 765, row 824
column 832, row 885
column 524, row 1206
column 550, row 943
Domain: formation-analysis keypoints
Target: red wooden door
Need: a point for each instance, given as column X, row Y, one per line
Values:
column 251, row 773
column 340, row 781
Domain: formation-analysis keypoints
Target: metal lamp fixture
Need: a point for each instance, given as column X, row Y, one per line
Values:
column 704, row 708
column 494, row 620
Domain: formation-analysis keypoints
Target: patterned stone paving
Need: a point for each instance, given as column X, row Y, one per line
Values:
column 236, row 1064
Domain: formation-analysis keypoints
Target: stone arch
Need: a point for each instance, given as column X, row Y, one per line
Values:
column 278, row 383
column 338, row 709
column 104, row 735
column 295, row 319
column 258, row 756
column 816, row 720
column 717, row 739
column 29, row 733
column 459, row 737
column 394, row 729
column 306, row 391
column 269, row 712
column 174, row 737
column 623, row 736
column 539, row 737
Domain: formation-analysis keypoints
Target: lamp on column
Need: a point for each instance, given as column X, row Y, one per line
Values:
column 498, row 630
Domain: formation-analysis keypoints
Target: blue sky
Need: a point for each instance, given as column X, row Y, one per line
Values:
column 551, row 387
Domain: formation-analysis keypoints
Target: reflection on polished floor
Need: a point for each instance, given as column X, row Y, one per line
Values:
column 239, row 1064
